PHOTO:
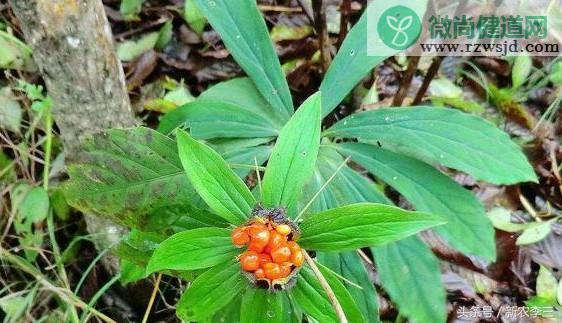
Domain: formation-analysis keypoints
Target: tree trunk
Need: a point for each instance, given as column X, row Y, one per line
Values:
column 73, row 48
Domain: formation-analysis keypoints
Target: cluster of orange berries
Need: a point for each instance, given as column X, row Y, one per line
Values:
column 271, row 254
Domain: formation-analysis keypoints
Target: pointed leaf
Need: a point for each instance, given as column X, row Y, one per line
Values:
column 211, row 291
column 261, row 305
column 245, row 34
column 218, row 185
column 125, row 174
column 468, row 229
column 353, row 62
column 193, row 249
column 311, row 297
column 444, row 136
column 292, row 160
column 233, row 108
column 350, row 266
column 361, row 225
column 410, row 274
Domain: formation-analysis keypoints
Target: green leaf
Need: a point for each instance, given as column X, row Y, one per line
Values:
column 361, row 225
column 350, row 266
column 125, row 174
column 193, row 249
column 15, row 54
column 522, row 67
column 211, row 291
column 468, row 229
column 546, row 285
column 181, row 217
column 293, row 158
column 130, row 49
column 194, row 17
column 216, row 183
column 130, row 9
column 246, row 156
column 312, row 298
column 35, row 205
column 559, row 292
column 353, row 61
column 245, row 34
column 261, row 305
column 231, row 109
column 410, row 273
column 347, row 187
column 164, row 35
column 444, row 136
column 138, row 246
column 131, row 272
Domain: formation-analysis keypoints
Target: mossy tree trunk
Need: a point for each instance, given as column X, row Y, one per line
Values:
column 73, row 48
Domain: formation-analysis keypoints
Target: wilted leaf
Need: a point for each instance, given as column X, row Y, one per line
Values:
column 535, row 233
column 126, row 174
column 283, row 32
column 443, row 87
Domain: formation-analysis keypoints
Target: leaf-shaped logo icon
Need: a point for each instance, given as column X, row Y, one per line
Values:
column 400, row 26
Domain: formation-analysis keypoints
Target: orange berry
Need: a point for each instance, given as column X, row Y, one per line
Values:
column 259, row 273
column 281, row 254
column 259, row 236
column 249, row 261
column 240, row 236
column 276, row 240
column 272, row 270
column 293, row 246
column 264, row 258
column 283, row 229
column 258, row 248
column 286, row 269
column 297, row 258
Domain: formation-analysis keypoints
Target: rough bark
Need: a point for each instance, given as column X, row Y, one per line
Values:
column 73, row 48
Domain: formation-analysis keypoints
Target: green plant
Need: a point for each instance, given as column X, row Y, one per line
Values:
column 136, row 176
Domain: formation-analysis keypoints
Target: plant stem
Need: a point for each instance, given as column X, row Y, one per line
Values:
column 64, row 294
column 48, row 148
column 331, row 296
column 258, row 175
column 406, row 81
column 50, row 223
column 152, row 297
column 431, row 72
column 319, row 10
